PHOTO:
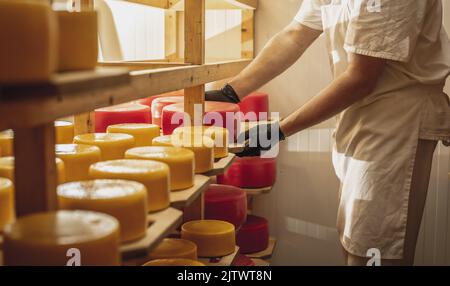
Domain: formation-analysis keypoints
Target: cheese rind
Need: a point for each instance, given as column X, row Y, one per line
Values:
column 153, row 175
column 143, row 133
column 124, row 200
column 213, row 238
column 64, row 132
column 119, row 114
column 218, row 134
column 7, row 143
column 171, row 248
column 162, row 141
column 180, row 161
column 174, row 262
column 77, row 159
column 7, row 212
column 112, row 145
column 53, row 238
column 7, row 169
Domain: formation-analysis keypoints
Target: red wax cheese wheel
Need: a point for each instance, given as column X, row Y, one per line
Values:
column 158, row 105
column 256, row 103
column 254, row 235
column 226, row 203
column 215, row 115
column 149, row 100
column 242, row 261
column 125, row 113
column 250, row 172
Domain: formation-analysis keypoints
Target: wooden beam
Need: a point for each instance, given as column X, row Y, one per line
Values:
column 248, row 34
column 135, row 65
column 171, row 35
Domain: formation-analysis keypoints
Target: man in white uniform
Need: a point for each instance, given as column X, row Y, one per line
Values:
column 390, row 60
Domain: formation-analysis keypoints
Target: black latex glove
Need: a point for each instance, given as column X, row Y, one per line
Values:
column 226, row 94
column 260, row 139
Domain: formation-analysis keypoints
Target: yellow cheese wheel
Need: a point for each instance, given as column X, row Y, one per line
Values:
column 29, row 33
column 213, row 238
column 218, row 134
column 77, row 159
column 60, row 238
column 7, row 169
column 124, row 200
column 78, row 40
column 7, row 143
column 112, row 145
column 163, row 141
column 203, row 148
column 7, row 212
column 181, row 163
column 153, row 175
column 174, row 248
column 143, row 133
column 174, row 262
column 64, row 132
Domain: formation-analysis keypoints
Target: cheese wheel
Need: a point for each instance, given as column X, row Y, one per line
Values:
column 77, row 159
column 78, row 40
column 253, row 236
column 174, row 262
column 149, row 100
column 124, row 200
column 124, row 113
column 213, row 238
column 7, row 169
column 64, row 131
column 163, row 141
column 250, row 172
column 180, row 161
column 153, row 175
column 143, row 133
column 53, row 238
column 7, row 212
column 112, row 145
column 174, row 248
column 255, row 106
column 218, row 134
column 7, row 143
column 28, row 52
column 203, row 148
column 226, row 203
column 159, row 104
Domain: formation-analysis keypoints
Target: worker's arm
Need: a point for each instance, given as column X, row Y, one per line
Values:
column 281, row 52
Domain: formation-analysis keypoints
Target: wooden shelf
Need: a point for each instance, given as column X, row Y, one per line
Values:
column 257, row 192
column 220, row 261
column 161, row 224
column 236, row 148
column 178, row 5
column 184, row 198
column 221, row 165
column 267, row 253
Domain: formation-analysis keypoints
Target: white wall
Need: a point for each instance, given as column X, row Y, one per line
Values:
column 302, row 207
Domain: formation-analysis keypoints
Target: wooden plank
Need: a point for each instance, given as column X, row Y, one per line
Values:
column 184, row 198
column 220, row 261
column 257, row 192
column 221, row 165
column 179, row 5
column 267, row 253
column 163, row 4
column 248, row 34
column 171, row 35
column 84, row 123
column 35, row 169
column 142, row 65
column 236, row 148
column 161, row 225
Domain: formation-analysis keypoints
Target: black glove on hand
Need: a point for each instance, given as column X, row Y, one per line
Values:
column 226, row 94
column 260, row 138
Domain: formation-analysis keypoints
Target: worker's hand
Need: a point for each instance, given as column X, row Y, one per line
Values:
column 260, row 139
column 226, row 94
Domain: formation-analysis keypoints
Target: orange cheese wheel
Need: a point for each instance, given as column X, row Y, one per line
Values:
column 7, row 169
column 62, row 238
column 203, row 148
column 153, row 175
column 180, row 161
column 112, row 145
column 143, row 133
column 64, row 132
column 77, row 159
column 174, row 262
column 124, row 200
column 174, row 248
column 7, row 143
column 218, row 134
column 213, row 238
column 163, row 141
column 7, row 212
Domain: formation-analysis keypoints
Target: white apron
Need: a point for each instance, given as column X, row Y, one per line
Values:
column 376, row 139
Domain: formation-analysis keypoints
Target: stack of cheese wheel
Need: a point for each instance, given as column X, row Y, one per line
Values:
column 153, row 175
column 218, row 134
column 64, row 132
column 226, row 203
column 159, row 104
column 171, row 248
column 125, row 113
column 77, row 159
column 250, row 172
column 149, row 100
column 7, row 169
column 61, row 238
column 213, row 238
column 7, row 143
column 124, row 200
column 28, row 52
column 180, row 161
column 7, row 213
column 219, row 114
column 254, row 235
column 176, row 262
column 255, row 106
column 112, row 145
column 143, row 133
